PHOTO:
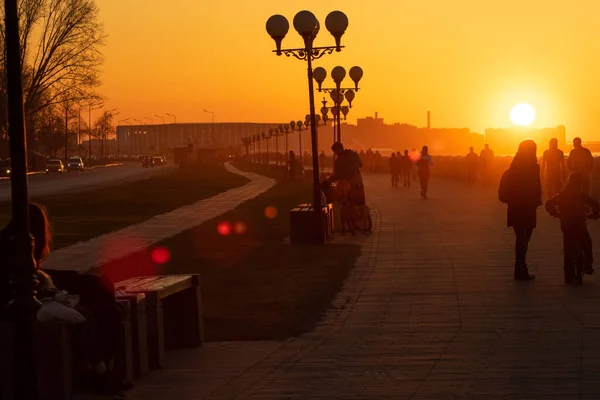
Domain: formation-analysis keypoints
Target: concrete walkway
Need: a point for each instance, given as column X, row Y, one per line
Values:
column 86, row 255
column 429, row 312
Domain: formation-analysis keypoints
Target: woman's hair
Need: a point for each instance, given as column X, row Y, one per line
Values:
column 425, row 150
column 40, row 230
column 527, row 150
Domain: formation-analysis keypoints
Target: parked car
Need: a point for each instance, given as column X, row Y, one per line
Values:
column 5, row 168
column 54, row 165
column 75, row 164
column 148, row 162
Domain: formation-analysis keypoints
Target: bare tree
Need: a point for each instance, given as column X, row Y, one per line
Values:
column 60, row 44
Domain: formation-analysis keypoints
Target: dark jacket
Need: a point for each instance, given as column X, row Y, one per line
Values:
column 526, row 193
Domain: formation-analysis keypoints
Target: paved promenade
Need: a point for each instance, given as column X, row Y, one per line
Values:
column 86, row 255
column 430, row 312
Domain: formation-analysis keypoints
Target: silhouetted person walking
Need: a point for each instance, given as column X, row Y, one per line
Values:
column 322, row 160
column 292, row 167
column 553, row 168
column 472, row 161
column 394, row 169
column 377, row 161
column 570, row 206
column 407, row 166
column 424, row 164
column 521, row 188
column 582, row 161
column 487, row 159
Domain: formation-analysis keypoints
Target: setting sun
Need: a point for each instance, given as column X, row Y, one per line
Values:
column 522, row 114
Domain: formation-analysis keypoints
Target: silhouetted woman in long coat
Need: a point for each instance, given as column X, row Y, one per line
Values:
column 524, row 195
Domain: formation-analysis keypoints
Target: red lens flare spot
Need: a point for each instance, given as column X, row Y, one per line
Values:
column 161, row 255
column 240, row 228
column 271, row 212
column 224, row 229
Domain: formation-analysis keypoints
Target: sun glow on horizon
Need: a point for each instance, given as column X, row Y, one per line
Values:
column 522, row 114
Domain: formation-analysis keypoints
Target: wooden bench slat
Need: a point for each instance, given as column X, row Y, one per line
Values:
column 165, row 286
column 134, row 282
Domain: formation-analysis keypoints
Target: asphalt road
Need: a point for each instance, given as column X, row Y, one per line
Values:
column 42, row 184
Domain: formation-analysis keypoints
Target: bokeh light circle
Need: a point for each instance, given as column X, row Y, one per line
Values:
column 160, row 255
column 271, row 212
column 224, row 229
column 240, row 228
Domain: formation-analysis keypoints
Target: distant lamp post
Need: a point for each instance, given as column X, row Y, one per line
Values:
column 267, row 136
column 338, row 93
column 213, row 125
column 90, row 108
column 142, row 138
column 307, row 26
column 172, row 115
column 158, row 141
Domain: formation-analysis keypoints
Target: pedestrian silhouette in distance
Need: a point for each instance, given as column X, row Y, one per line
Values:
column 581, row 160
column 424, row 164
column 521, row 189
column 407, row 167
column 472, row 161
column 487, row 159
column 553, row 168
column 394, row 169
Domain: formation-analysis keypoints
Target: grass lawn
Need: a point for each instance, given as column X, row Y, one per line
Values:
column 255, row 286
column 83, row 215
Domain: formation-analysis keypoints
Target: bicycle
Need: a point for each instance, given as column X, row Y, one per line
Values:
column 578, row 260
column 355, row 217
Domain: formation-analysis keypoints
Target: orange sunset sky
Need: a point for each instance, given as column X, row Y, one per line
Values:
column 468, row 61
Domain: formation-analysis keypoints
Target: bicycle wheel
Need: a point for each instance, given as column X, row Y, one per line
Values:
column 362, row 219
column 578, row 263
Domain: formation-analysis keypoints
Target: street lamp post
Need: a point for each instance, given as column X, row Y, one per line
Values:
column 213, row 125
column 339, row 93
column 175, row 118
column 144, row 133
column 158, row 133
column 105, row 145
column 152, row 124
column 307, row 25
column 24, row 305
column 91, row 107
column 287, row 133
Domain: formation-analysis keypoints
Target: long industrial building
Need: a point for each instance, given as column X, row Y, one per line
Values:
column 155, row 139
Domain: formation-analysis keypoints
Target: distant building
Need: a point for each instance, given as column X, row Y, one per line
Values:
column 505, row 141
column 161, row 138
column 372, row 132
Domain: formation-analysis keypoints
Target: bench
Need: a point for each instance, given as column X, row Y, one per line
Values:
column 136, row 306
column 173, row 312
column 302, row 225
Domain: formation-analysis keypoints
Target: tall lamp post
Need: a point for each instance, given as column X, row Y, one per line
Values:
column 338, row 93
column 143, row 133
column 175, row 118
column 90, row 109
column 151, row 124
column 213, row 125
column 307, row 25
column 158, row 133
column 108, row 114
column 24, row 305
